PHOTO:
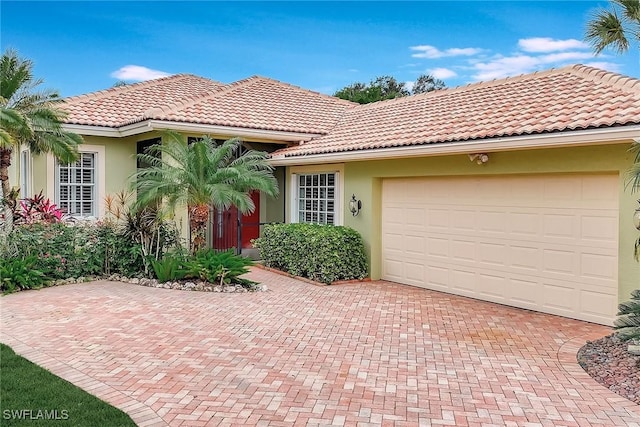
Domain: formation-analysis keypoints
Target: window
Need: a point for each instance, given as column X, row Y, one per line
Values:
column 76, row 192
column 317, row 198
column 25, row 174
column 141, row 148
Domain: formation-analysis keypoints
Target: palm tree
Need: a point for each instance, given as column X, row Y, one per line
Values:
column 201, row 175
column 615, row 27
column 28, row 117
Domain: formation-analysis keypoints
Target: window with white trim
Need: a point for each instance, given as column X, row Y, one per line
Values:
column 317, row 194
column 25, row 174
column 76, row 186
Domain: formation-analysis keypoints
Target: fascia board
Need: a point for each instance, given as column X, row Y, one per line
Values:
column 149, row 125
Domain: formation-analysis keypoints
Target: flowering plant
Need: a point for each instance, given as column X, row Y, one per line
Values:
column 38, row 209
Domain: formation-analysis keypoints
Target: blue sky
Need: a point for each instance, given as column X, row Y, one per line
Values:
column 84, row 46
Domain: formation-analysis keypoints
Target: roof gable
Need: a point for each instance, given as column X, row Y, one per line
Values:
column 570, row 98
column 120, row 106
column 262, row 103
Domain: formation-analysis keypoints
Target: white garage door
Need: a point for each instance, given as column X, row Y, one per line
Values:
column 542, row 242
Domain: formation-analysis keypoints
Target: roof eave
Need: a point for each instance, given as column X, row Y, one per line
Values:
column 599, row 136
column 160, row 125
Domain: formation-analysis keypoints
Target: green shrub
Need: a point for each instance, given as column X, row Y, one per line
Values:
column 219, row 267
column 64, row 251
column 324, row 253
column 627, row 325
column 171, row 267
column 223, row 268
column 20, row 273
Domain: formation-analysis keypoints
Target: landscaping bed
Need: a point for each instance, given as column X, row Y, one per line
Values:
column 608, row 362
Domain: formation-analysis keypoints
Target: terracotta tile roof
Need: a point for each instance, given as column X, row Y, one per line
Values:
column 262, row 103
column 256, row 103
column 124, row 105
column 570, row 98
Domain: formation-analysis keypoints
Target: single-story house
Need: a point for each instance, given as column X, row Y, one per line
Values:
column 511, row 191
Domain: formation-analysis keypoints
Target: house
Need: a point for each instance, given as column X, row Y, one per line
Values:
column 511, row 191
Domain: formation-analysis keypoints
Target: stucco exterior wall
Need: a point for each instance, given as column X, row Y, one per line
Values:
column 364, row 179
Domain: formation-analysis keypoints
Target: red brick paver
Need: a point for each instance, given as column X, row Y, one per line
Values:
column 365, row 354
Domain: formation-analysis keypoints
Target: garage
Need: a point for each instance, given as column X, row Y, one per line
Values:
column 542, row 242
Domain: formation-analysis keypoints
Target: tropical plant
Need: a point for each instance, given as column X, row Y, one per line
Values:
column 627, row 324
column 201, row 175
column 145, row 227
column 37, row 209
column 223, row 268
column 615, row 27
column 31, row 117
column 20, row 273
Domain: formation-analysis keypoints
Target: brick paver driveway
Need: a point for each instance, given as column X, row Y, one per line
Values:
column 358, row 354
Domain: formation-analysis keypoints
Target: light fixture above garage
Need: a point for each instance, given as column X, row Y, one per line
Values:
column 636, row 217
column 479, row 158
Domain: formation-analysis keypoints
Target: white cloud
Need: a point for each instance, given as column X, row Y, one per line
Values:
column 609, row 66
column 409, row 86
column 505, row 66
column 431, row 52
column 564, row 56
column 138, row 73
column 442, row 73
column 547, row 44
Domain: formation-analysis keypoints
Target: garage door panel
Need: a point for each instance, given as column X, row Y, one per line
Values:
column 437, row 278
column 559, row 298
column 493, row 287
column 599, row 228
column 563, row 262
column 463, row 281
column 599, row 266
column 464, row 219
column 415, row 245
column 493, row 254
column 524, row 224
column 597, row 306
column 463, row 250
column 546, row 242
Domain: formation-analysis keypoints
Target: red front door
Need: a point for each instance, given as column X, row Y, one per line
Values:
column 251, row 222
column 225, row 226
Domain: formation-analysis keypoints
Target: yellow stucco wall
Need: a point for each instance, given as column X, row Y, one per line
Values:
column 364, row 179
column 119, row 164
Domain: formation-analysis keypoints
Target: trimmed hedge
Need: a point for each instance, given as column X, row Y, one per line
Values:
column 324, row 253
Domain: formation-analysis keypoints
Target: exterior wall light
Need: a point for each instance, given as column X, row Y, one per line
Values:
column 479, row 158
column 355, row 205
column 636, row 217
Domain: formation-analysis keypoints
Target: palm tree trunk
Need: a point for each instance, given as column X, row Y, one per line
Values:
column 198, row 219
column 7, row 202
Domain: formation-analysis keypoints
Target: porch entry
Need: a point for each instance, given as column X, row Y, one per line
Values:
column 229, row 227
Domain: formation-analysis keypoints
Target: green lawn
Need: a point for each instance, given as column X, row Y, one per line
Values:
column 33, row 396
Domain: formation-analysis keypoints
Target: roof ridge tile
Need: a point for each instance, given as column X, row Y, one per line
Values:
column 126, row 88
column 157, row 112
column 344, row 101
column 620, row 81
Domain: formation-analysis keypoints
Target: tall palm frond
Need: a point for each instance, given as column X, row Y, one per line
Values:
column 202, row 175
column 29, row 117
column 614, row 28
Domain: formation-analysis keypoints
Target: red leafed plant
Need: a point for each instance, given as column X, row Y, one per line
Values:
column 37, row 209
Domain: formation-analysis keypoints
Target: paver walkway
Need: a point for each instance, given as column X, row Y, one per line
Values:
column 365, row 354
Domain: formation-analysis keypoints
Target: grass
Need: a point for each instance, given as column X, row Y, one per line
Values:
column 32, row 396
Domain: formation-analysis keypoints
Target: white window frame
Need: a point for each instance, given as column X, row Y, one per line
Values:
column 294, row 180
column 53, row 185
column 25, row 174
